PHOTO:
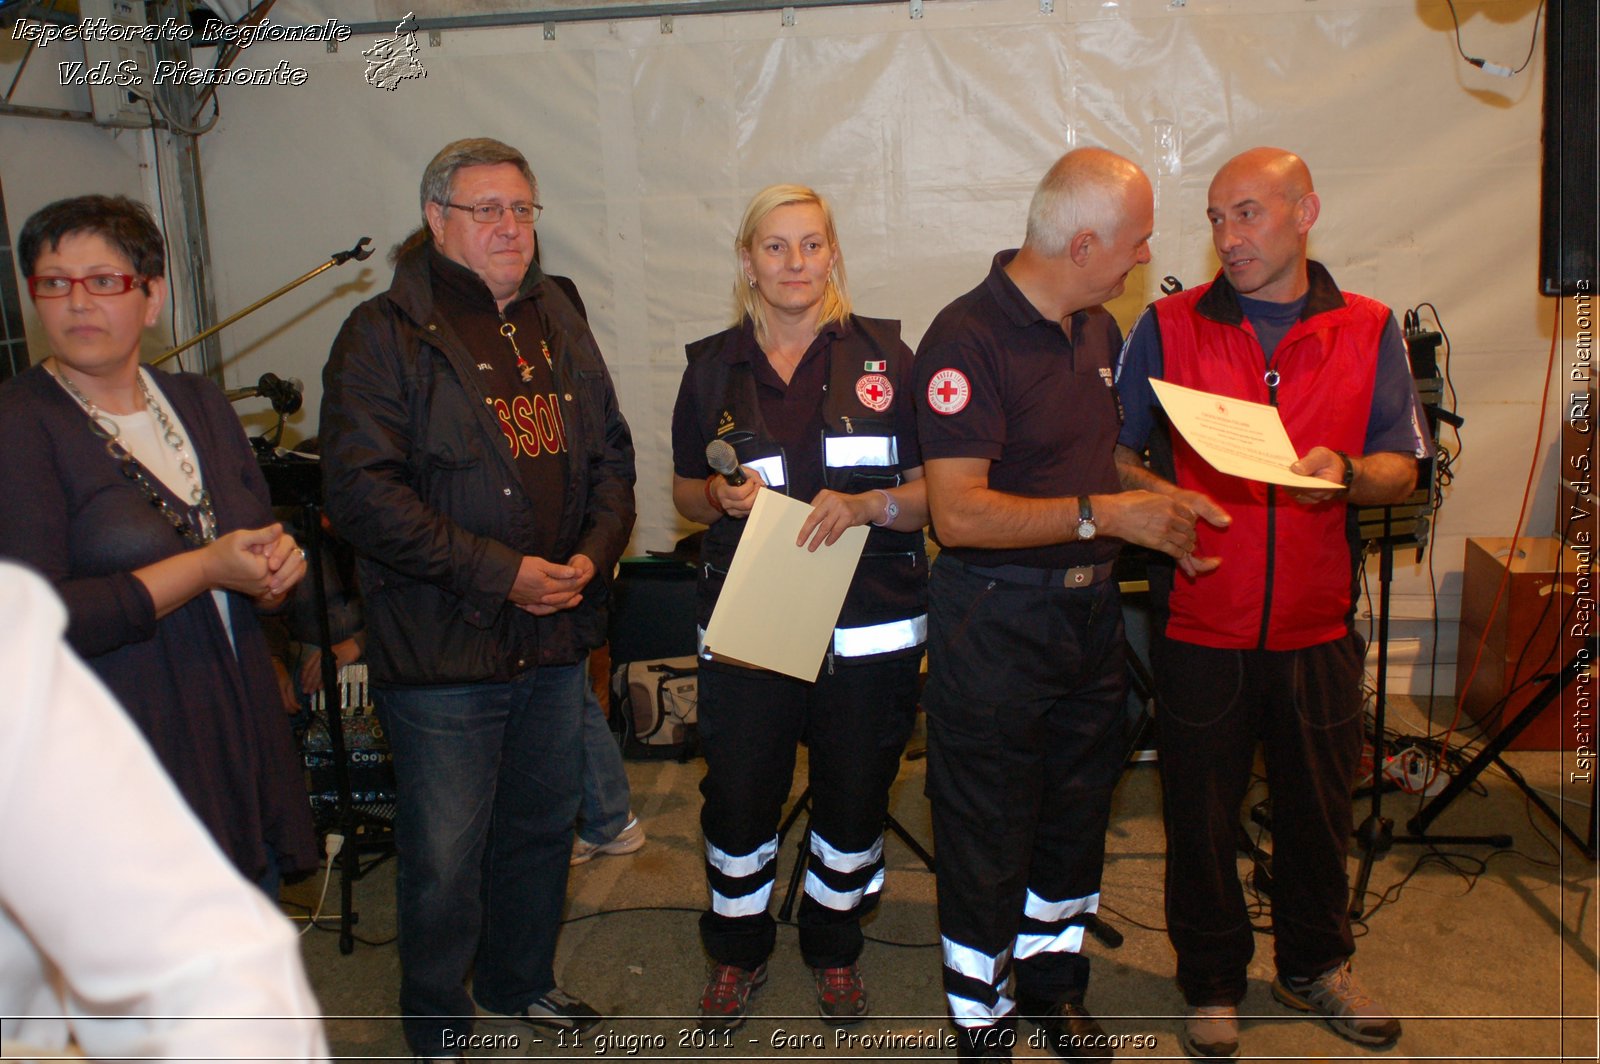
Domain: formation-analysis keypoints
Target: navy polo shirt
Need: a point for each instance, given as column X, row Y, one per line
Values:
column 995, row 379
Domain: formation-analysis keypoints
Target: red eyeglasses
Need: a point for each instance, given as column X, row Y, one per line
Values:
column 96, row 284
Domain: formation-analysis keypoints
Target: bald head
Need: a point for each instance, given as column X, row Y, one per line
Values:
column 1087, row 190
column 1261, row 206
column 1282, row 171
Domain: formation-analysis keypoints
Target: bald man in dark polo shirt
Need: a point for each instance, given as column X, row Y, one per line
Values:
column 1025, row 694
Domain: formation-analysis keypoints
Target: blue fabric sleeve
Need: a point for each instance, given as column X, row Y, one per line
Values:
column 1396, row 422
column 1140, row 361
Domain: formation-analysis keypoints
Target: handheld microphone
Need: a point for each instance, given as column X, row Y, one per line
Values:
column 722, row 458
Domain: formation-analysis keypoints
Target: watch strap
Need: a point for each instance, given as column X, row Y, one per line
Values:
column 1349, row 469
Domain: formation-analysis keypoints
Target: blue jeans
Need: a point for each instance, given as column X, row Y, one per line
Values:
column 487, row 779
column 606, row 798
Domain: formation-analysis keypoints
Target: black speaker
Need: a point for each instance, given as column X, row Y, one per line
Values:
column 1568, row 238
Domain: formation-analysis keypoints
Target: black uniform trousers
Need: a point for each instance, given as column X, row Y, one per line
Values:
column 855, row 719
column 1304, row 707
column 1026, row 736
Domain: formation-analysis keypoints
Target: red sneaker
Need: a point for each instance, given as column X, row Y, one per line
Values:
column 724, row 1001
column 841, row 999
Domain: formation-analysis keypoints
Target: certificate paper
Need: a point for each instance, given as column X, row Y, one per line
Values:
column 1236, row 436
column 779, row 604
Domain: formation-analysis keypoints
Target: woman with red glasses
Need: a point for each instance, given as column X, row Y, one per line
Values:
column 135, row 492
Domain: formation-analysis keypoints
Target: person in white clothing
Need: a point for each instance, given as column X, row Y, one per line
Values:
column 124, row 931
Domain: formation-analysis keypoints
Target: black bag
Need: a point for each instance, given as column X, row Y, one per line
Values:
column 657, row 704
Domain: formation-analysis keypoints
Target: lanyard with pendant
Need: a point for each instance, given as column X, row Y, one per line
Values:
column 509, row 331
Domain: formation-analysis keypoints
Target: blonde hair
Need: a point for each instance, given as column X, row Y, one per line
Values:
column 746, row 299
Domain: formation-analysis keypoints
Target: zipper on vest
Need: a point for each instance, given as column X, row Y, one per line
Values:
column 1272, row 526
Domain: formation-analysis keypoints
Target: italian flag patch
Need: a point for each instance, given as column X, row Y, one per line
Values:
column 874, row 367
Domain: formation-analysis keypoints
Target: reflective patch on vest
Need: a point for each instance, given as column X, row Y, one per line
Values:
column 844, row 452
column 725, row 423
column 948, row 392
column 875, row 391
column 771, row 470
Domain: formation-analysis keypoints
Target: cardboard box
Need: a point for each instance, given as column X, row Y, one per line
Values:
column 1549, row 590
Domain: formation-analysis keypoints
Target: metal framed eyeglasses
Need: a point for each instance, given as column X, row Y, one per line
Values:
column 96, row 284
column 490, row 213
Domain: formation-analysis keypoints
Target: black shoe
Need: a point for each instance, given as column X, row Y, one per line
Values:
column 988, row 1043
column 1073, row 1033
column 557, row 1009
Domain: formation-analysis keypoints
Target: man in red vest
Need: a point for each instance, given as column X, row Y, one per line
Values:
column 1253, row 640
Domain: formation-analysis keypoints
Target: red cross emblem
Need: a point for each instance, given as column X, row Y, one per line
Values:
column 875, row 392
column 948, row 392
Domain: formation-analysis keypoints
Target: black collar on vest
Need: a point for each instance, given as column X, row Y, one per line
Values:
column 1220, row 302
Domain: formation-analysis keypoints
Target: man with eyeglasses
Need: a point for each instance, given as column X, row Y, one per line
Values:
column 475, row 456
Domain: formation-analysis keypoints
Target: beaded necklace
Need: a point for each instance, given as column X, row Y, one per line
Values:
column 199, row 526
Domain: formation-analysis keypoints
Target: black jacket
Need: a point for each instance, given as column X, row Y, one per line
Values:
column 418, row 478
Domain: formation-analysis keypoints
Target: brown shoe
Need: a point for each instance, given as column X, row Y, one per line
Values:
column 841, row 999
column 1072, row 1033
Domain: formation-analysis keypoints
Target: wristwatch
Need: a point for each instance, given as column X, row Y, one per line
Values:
column 1085, row 518
column 891, row 509
column 1349, row 468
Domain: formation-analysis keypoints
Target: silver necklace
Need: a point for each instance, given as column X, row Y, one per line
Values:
column 199, row 526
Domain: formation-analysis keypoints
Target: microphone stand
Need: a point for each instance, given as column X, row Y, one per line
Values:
column 361, row 252
column 291, row 485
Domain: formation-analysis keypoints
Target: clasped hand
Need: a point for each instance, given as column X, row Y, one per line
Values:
column 543, row 587
column 264, row 563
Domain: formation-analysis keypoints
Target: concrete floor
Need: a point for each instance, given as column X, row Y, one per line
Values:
column 1491, row 956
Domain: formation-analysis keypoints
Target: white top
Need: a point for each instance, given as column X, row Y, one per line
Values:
column 123, row 929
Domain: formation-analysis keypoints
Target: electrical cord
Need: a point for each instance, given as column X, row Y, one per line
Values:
column 1522, row 512
column 151, row 98
column 331, row 845
column 698, row 910
column 161, row 206
column 1495, row 68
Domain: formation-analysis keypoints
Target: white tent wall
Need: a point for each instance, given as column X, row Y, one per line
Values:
column 928, row 133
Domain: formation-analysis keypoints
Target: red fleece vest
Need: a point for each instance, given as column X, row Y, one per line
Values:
column 1285, row 578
